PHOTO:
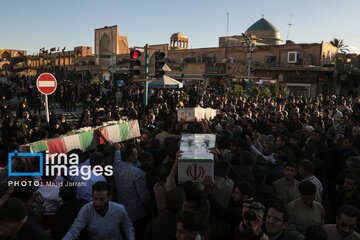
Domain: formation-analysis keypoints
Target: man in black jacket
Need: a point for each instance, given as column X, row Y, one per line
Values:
column 66, row 214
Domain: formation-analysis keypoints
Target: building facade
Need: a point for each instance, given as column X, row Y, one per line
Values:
column 306, row 69
column 12, row 60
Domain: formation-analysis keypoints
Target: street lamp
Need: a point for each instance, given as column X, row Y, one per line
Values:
column 249, row 45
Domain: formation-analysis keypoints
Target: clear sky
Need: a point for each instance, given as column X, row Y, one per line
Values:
column 31, row 25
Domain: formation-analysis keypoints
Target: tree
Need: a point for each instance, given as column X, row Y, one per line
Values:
column 279, row 91
column 265, row 92
column 255, row 92
column 339, row 43
column 237, row 91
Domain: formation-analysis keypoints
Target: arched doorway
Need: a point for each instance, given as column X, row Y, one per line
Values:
column 6, row 55
column 105, row 44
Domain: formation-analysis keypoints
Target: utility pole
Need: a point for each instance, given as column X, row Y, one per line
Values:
column 287, row 36
column 146, row 90
column 227, row 25
column 249, row 45
column 112, row 72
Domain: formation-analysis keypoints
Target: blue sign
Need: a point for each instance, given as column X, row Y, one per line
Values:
column 15, row 153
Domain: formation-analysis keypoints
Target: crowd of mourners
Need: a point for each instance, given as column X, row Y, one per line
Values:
column 285, row 168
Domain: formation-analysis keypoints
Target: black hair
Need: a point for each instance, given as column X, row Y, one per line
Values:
column 225, row 142
column 77, row 151
column 191, row 220
column 174, row 200
column 307, row 188
column 349, row 210
column 245, row 188
column 258, row 172
column 162, row 172
column 221, row 168
column 171, row 151
column 307, row 165
column 144, row 155
column 282, row 156
column 278, row 206
column 284, row 139
column 291, row 164
column 354, row 177
column 101, row 186
column 106, row 149
column 96, row 158
column 127, row 152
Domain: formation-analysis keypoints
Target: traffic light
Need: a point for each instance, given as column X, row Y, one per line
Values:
column 159, row 64
column 134, row 62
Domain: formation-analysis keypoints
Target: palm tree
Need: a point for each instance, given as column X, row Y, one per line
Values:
column 339, row 43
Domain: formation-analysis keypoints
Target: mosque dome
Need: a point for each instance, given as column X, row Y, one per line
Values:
column 178, row 36
column 266, row 31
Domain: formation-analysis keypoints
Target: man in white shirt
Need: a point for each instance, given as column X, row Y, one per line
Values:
column 223, row 186
column 304, row 211
column 102, row 217
column 306, row 171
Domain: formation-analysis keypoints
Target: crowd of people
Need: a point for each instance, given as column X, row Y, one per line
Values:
column 285, row 168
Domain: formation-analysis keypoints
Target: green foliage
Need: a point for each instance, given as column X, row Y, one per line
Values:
column 280, row 90
column 265, row 92
column 237, row 91
column 185, row 98
column 339, row 43
column 255, row 92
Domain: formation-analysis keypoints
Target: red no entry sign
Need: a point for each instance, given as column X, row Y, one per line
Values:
column 46, row 83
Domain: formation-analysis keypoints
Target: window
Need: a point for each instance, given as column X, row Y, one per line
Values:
column 270, row 60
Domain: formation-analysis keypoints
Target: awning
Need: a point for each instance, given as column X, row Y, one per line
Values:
column 166, row 82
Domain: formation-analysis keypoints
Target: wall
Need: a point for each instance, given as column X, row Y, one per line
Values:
column 328, row 53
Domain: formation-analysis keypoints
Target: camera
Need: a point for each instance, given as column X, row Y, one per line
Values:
column 250, row 214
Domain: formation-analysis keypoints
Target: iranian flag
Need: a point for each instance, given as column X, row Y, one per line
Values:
column 87, row 141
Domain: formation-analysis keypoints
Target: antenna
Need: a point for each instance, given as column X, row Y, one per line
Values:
column 287, row 37
column 227, row 26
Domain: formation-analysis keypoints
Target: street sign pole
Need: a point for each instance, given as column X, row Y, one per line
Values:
column 146, row 74
column 46, row 84
column 47, row 109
